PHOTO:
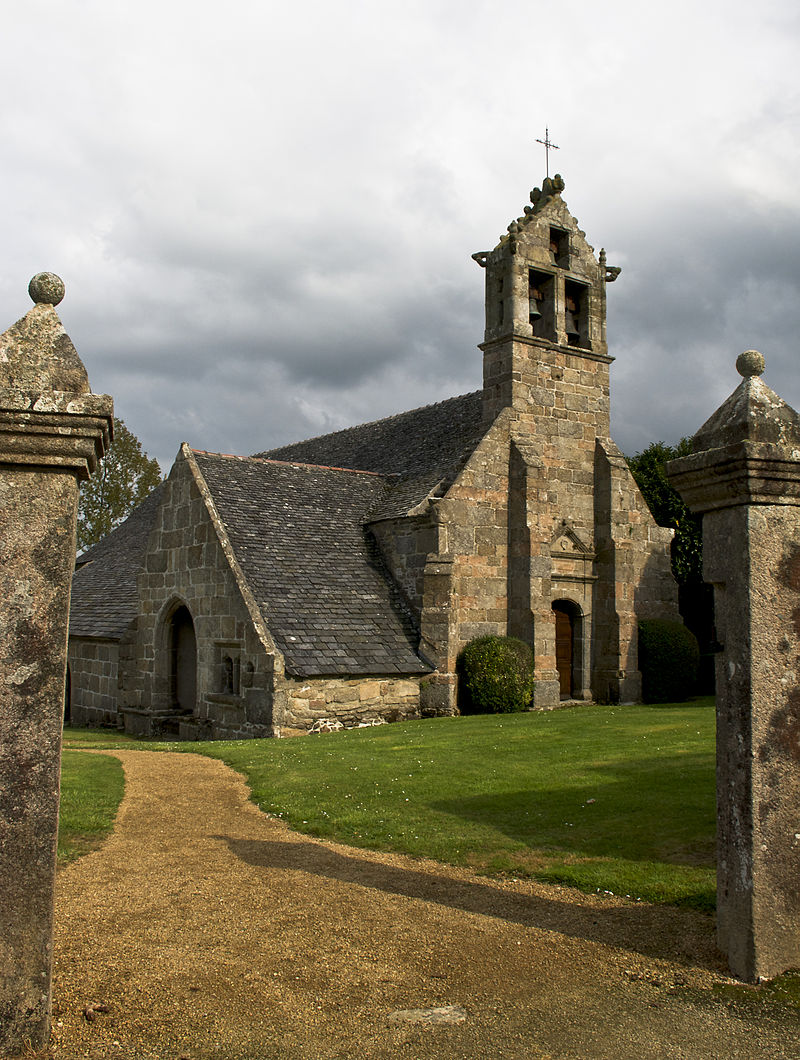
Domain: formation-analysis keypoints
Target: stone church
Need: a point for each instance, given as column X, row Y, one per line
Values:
column 333, row 582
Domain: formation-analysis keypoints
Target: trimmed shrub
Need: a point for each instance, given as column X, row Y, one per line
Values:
column 495, row 676
column 668, row 659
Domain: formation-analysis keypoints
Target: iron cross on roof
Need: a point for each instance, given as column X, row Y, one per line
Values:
column 547, row 144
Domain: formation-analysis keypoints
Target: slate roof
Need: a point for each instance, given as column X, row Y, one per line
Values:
column 424, row 447
column 104, row 601
column 296, row 531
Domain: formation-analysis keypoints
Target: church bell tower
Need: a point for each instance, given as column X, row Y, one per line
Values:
column 573, row 517
column 545, row 301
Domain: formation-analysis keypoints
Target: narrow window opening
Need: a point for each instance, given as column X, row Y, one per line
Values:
column 559, row 247
column 230, row 675
column 541, row 304
column 227, row 675
column 576, row 314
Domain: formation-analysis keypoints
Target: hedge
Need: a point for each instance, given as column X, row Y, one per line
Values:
column 495, row 676
column 668, row 660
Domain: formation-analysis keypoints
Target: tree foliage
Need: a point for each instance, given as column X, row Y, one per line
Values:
column 122, row 480
column 648, row 468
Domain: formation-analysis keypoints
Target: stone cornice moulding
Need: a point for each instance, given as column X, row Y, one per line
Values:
column 745, row 473
column 55, row 429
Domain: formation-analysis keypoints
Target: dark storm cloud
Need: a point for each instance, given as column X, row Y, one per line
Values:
column 725, row 278
column 265, row 217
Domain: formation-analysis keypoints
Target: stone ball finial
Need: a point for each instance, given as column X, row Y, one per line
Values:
column 750, row 363
column 46, row 288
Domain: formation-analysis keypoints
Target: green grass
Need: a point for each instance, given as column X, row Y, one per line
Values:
column 615, row 799
column 781, row 993
column 603, row 798
column 106, row 739
column 91, row 790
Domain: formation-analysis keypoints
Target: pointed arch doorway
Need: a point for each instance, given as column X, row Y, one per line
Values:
column 183, row 661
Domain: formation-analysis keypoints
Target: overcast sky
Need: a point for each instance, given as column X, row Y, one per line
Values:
column 264, row 212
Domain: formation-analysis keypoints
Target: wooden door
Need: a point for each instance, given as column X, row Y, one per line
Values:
column 564, row 652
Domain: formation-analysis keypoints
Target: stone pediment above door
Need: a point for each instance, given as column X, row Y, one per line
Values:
column 567, row 542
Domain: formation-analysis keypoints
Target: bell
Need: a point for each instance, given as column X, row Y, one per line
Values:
column 571, row 325
column 534, row 313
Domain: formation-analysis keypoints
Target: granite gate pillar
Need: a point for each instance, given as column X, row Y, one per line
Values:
column 744, row 477
column 52, row 432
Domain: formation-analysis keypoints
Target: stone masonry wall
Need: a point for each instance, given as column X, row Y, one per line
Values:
column 405, row 545
column 327, row 703
column 634, row 576
column 93, row 669
column 186, row 565
column 473, row 530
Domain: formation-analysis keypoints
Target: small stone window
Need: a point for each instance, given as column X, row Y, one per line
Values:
column 559, row 247
column 248, row 671
column 227, row 674
column 229, row 669
column 576, row 314
column 541, row 304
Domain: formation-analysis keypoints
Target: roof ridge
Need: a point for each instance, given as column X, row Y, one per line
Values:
column 292, row 463
column 371, row 423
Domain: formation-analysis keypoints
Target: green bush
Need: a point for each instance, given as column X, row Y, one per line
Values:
column 495, row 676
column 668, row 659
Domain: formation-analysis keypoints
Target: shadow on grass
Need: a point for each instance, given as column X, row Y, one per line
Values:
column 683, row 936
column 654, row 809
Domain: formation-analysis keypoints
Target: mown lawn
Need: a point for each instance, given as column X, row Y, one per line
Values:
column 617, row 799
column 91, row 790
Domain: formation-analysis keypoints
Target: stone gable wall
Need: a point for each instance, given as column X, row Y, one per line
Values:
column 537, row 517
column 185, row 564
column 466, row 578
column 474, row 531
column 635, row 577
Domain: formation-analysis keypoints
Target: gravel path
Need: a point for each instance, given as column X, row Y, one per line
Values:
column 203, row 928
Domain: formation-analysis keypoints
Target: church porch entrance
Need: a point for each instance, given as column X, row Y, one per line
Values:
column 569, row 648
column 183, row 662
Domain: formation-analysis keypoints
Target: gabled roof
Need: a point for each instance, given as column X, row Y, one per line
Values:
column 423, row 447
column 295, row 520
column 296, row 532
column 104, row 601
